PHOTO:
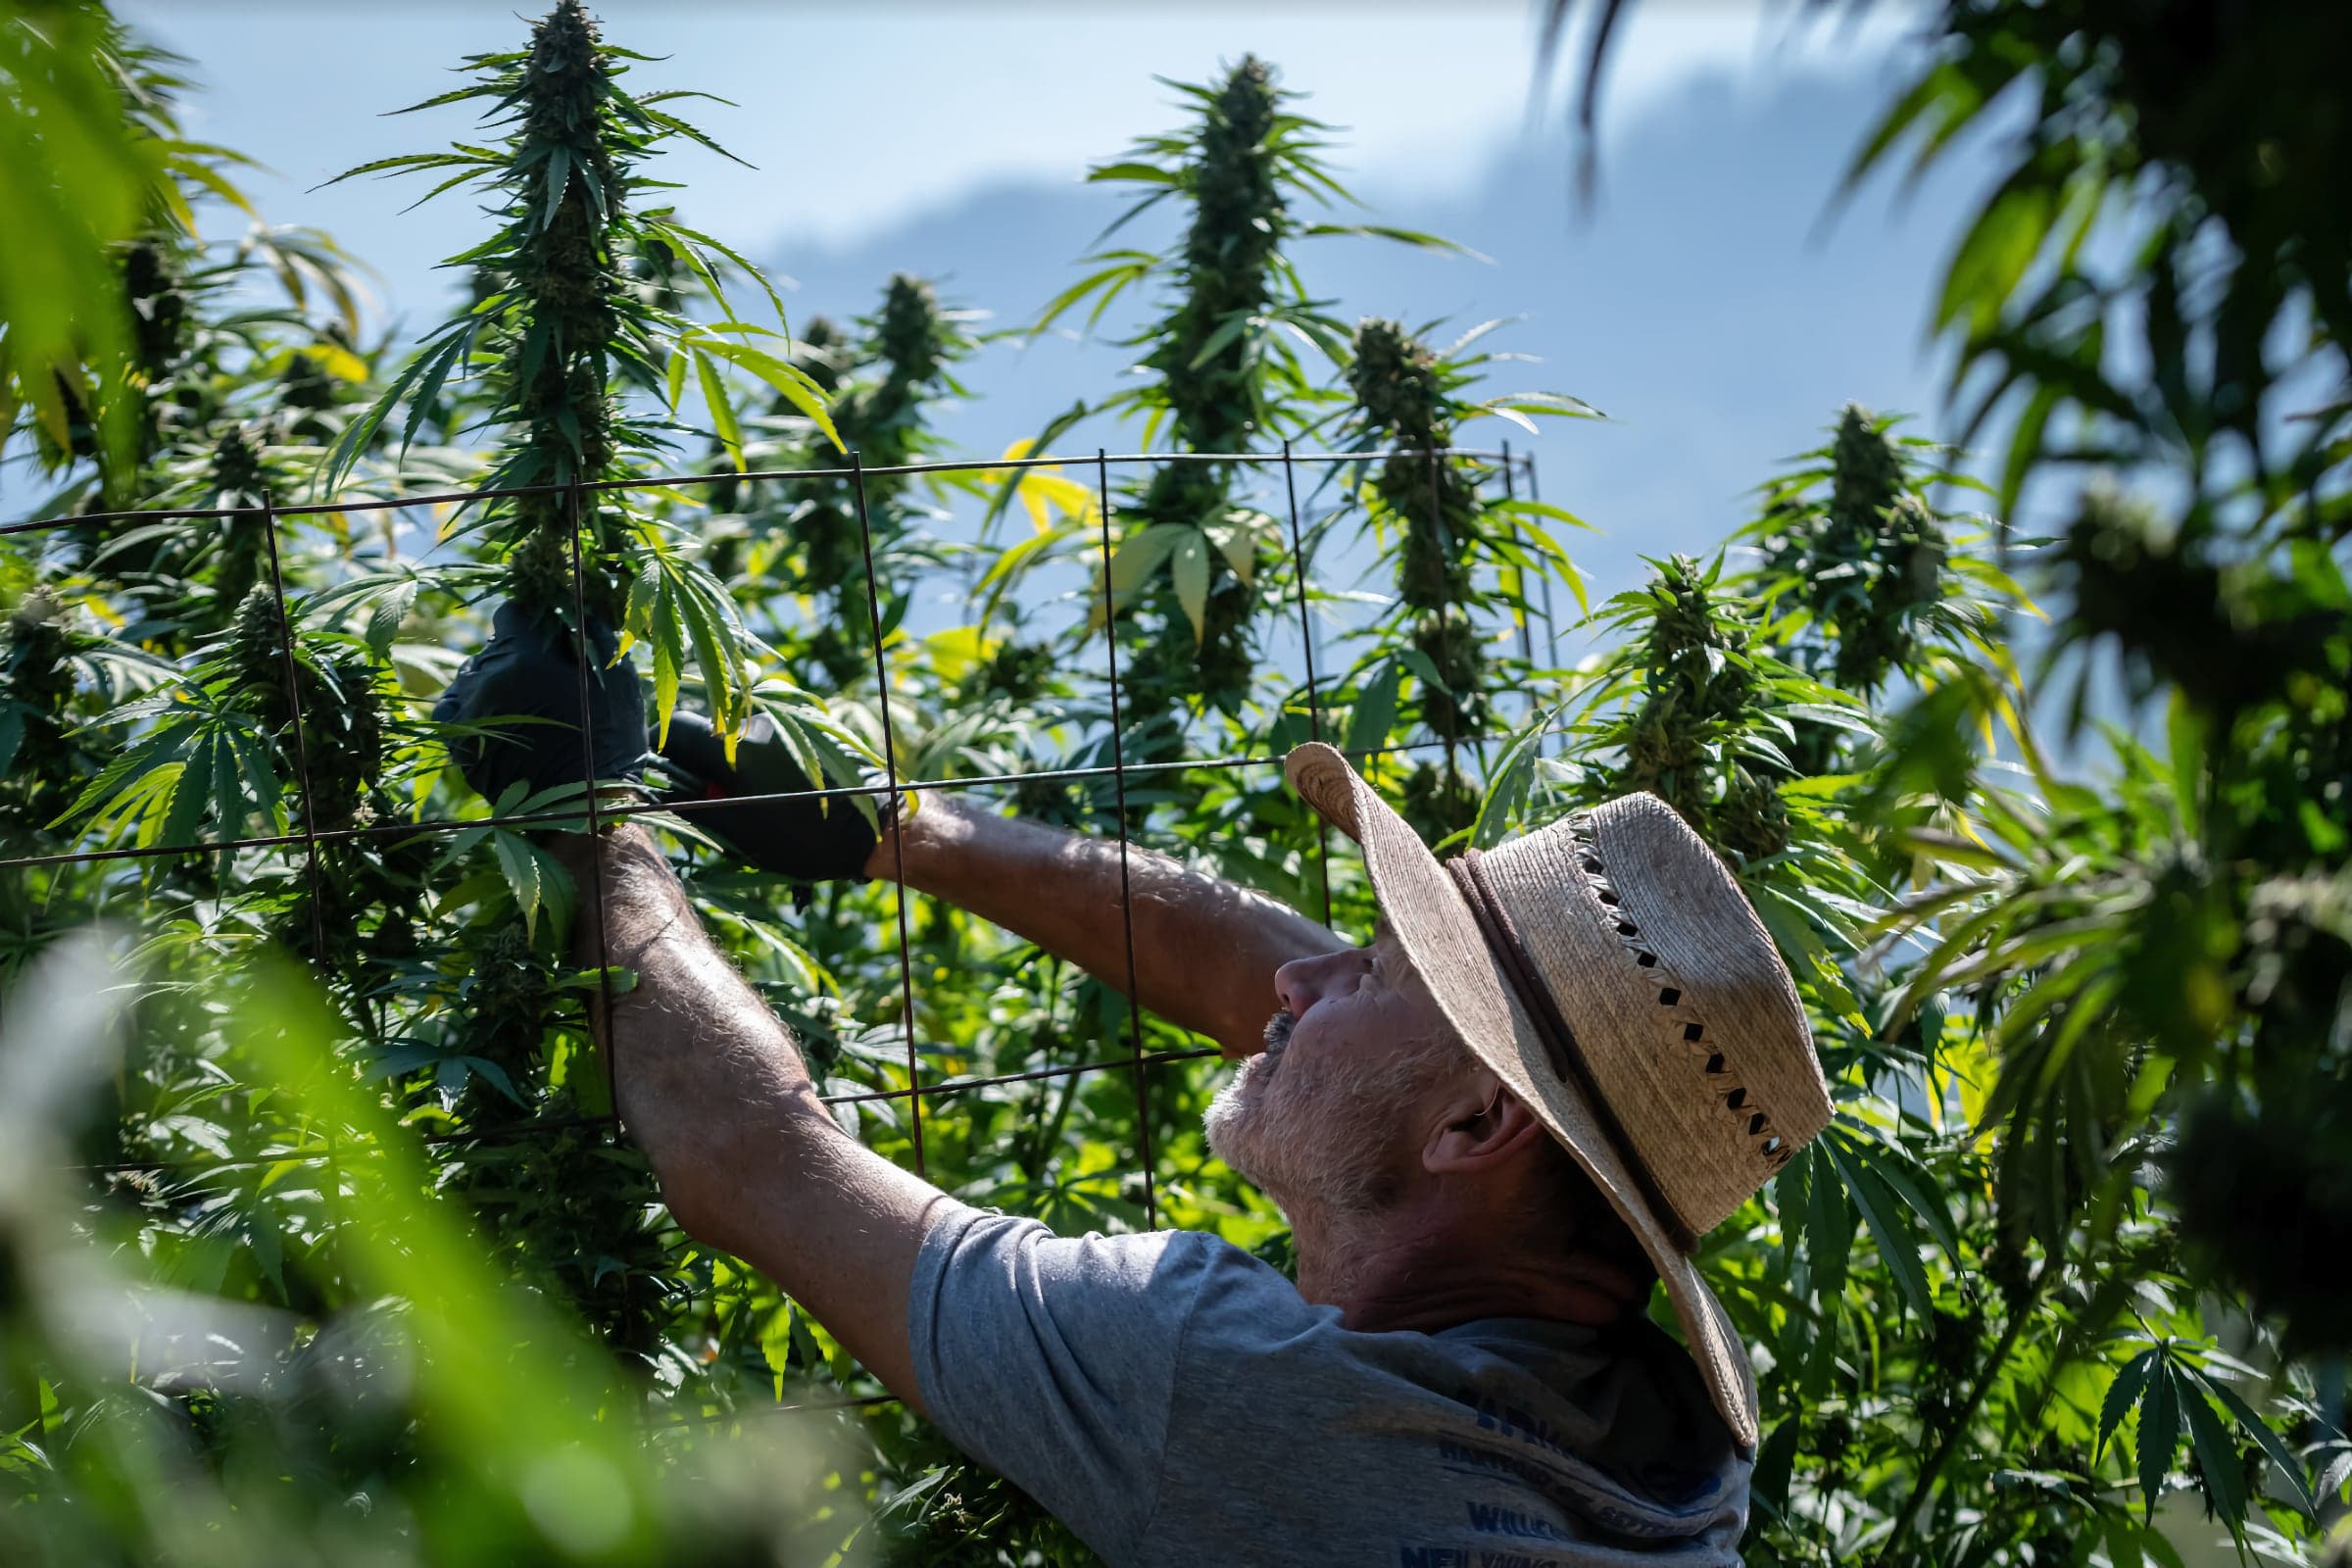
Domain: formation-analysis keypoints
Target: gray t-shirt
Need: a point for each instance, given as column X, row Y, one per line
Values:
column 1175, row 1402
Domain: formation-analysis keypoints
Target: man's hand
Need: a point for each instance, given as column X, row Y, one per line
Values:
column 825, row 839
column 529, row 672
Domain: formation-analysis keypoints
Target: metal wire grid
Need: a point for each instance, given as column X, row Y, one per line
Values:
column 1139, row 1061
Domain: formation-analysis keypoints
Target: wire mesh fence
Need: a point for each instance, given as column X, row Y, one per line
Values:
column 1097, row 761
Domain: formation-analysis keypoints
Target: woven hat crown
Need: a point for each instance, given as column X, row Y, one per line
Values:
column 1686, row 1019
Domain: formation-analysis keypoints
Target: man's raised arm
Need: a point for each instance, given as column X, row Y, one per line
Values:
column 1205, row 949
column 712, row 1088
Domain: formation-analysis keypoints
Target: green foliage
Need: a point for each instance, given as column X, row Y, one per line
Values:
column 2205, row 146
column 2192, row 919
column 440, row 1417
column 87, row 179
column 1974, row 1277
column 2152, row 960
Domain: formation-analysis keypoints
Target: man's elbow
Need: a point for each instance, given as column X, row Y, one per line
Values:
column 694, row 1188
column 697, row 1204
column 722, row 1186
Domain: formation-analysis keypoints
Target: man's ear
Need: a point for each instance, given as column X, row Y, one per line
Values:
column 1482, row 1128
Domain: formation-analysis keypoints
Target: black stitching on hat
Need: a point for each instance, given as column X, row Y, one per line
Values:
column 1775, row 1151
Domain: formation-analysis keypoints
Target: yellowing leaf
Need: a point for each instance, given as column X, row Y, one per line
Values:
column 1046, row 491
column 1238, row 536
column 334, row 360
column 1190, row 571
column 955, row 651
column 1140, row 555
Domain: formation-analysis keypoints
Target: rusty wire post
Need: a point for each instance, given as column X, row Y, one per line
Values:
column 301, row 750
column 1314, row 697
column 897, row 832
column 582, row 652
column 1525, row 616
column 1552, row 627
column 331, row 1182
column 1118, row 784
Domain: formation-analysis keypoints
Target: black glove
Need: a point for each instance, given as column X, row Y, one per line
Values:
column 528, row 669
column 821, row 840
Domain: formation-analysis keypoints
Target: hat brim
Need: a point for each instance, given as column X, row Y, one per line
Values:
column 1441, row 935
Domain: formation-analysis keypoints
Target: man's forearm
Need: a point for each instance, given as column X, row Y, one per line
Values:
column 1204, row 951
column 712, row 1088
column 690, row 1032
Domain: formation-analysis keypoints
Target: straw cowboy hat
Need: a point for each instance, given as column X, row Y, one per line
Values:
column 1609, row 970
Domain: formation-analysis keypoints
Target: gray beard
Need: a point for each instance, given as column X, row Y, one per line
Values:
column 1279, row 1156
column 1225, row 1111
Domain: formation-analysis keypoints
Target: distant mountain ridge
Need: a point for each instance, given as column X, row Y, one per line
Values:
column 1698, row 305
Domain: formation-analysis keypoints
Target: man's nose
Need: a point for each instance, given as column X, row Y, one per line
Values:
column 1303, row 982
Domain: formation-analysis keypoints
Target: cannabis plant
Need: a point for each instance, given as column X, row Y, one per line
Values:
column 88, row 119
column 419, row 1408
column 1866, row 561
column 814, row 538
column 2078, row 1023
column 1439, row 517
column 569, row 335
column 2178, row 915
column 1222, row 375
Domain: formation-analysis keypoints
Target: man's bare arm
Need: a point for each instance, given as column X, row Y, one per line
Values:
column 1205, row 950
column 712, row 1088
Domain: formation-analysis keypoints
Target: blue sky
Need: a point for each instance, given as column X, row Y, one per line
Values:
column 858, row 116
column 1703, row 303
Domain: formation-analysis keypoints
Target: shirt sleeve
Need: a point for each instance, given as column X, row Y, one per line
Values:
column 1053, row 1360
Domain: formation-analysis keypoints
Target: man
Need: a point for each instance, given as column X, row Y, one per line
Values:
column 1494, row 1131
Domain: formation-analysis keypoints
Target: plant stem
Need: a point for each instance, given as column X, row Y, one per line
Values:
column 1950, row 1440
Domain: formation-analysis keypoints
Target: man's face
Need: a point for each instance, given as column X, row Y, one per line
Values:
column 1326, row 1116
